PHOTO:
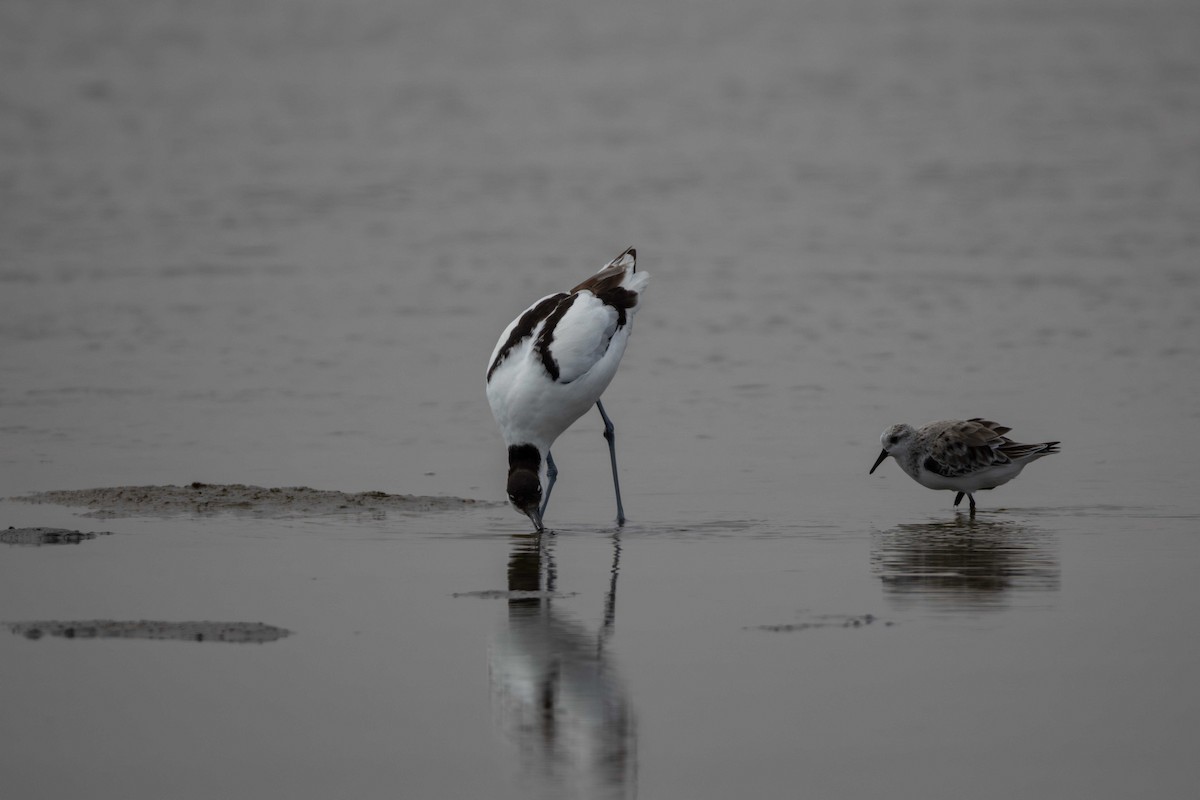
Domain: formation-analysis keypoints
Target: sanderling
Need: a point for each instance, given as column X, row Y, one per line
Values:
column 550, row 365
column 963, row 456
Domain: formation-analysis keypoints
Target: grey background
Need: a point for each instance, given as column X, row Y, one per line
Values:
column 274, row 243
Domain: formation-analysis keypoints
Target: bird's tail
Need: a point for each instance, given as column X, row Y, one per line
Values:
column 1028, row 452
column 620, row 272
column 626, row 259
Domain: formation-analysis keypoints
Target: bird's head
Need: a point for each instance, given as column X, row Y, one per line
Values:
column 895, row 440
column 525, row 470
column 525, row 493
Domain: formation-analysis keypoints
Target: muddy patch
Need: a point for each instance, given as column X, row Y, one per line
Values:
column 825, row 621
column 37, row 537
column 229, row 632
column 210, row 498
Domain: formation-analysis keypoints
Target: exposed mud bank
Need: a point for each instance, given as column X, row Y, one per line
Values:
column 40, row 536
column 231, row 632
column 210, row 498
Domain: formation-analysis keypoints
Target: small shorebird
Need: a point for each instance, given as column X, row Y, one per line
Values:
column 551, row 365
column 963, row 456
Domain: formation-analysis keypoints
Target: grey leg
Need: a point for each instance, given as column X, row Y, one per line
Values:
column 610, row 435
column 551, row 475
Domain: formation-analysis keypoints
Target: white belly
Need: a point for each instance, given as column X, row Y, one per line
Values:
column 988, row 478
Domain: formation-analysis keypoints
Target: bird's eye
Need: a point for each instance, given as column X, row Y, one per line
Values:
column 512, row 498
column 893, row 439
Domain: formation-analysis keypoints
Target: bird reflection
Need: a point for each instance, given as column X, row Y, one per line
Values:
column 964, row 562
column 557, row 692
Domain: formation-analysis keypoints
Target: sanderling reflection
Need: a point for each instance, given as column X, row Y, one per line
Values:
column 550, row 365
column 963, row 456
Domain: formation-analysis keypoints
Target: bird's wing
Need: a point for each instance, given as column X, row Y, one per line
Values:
column 1015, row 451
column 961, row 447
column 995, row 427
column 577, row 335
column 572, row 331
column 522, row 328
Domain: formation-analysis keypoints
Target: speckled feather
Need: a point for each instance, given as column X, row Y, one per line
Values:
column 961, row 447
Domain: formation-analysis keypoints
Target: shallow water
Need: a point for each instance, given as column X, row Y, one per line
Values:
column 273, row 245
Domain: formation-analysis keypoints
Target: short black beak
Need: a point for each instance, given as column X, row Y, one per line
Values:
column 878, row 461
column 536, row 516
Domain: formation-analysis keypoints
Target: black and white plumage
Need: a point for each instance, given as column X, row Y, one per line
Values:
column 963, row 456
column 551, row 365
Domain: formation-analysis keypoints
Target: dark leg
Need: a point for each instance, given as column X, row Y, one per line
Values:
column 551, row 476
column 958, row 499
column 611, row 436
column 971, row 497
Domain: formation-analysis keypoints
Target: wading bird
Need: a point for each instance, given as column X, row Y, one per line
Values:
column 963, row 456
column 551, row 365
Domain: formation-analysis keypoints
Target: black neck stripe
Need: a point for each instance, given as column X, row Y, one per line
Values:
column 524, row 456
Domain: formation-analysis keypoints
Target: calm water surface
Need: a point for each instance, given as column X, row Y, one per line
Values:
column 275, row 245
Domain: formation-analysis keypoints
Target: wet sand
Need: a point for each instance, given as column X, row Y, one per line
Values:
column 271, row 245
